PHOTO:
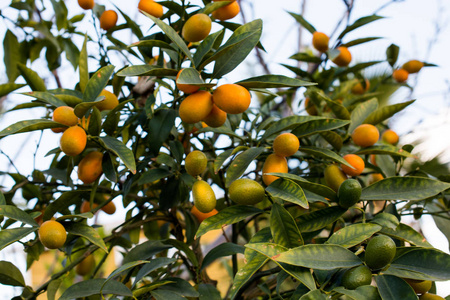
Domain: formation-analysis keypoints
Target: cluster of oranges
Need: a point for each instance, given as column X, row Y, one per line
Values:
column 108, row 18
column 410, row 67
column 320, row 42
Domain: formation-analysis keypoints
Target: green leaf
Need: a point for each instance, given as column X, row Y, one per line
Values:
column 406, row 233
column 7, row 88
column 52, row 288
column 29, row 125
column 288, row 123
column 208, row 292
column 221, row 130
column 227, row 216
column 121, row 269
column 159, row 128
column 185, row 248
column 35, row 82
column 317, row 126
column 392, row 54
column 284, row 230
column 153, row 43
column 225, row 249
column 207, row 45
column 386, row 220
column 11, row 55
column 97, row 83
column 241, row 163
column 65, row 200
column 314, row 295
column 337, row 108
column 131, row 24
column 361, row 112
column 273, row 81
column 404, row 188
column 121, row 150
column 46, row 97
column 384, row 149
column 172, row 35
column 9, row 236
column 360, row 41
column 153, row 175
column 69, row 97
column 82, row 108
column 440, row 218
column 324, row 153
column 83, row 66
column 289, row 191
column 319, row 219
column 146, row 70
column 15, row 213
column 306, row 57
column 353, row 235
column 2, row 199
column 304, row 275
column 163, row 295
column 87, row 232
column 10, row 274
column 154, row 264
column 246, row 273
column 386, row 112
column 358, row 23
column 145, row 251
column 180, row 287
column 92, row 287
column 72, row 52
column 192, row 77
column 366, row 292
column 220, row 159
column 394, row 288
column 303, row 22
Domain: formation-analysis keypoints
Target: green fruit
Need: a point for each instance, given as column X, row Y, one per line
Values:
column 246, row 192
column 195, row 163
column 428, row 296
column 204, row 197
column 334, row 177
column 356, row 277
column 379, row 252
column 419, row 286
column 349, row 193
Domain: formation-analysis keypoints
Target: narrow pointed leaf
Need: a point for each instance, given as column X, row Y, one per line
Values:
column 9, row 236
column 392, row 54
column 303, row 22
column 319, row 219
column 154, row 264
column 306, row 57
column 32, row 78
column 241, row 163
column 333, row 138
column 92, row 287
column 394, row 288
column 29, row 125
column 317, row 126
column 386, row 220
column 10, row 274
column 358, row 23
column 153, row 175
column 386, row 112
column 221, row 158
column 301, row 274
column 145, row 251
column 361, row 112
column 121, row 269
column 384, row 149
column 11, row 55
column 288, row 123
column 366, row 292
column 65, row 200
column 221, row 130
column 360, row 41
column 353, row 235
column 314, row 295
column 222, row 250
column 273, row 81
column 324, row 153
column 97, row 83
column 15, row 213
column 82, row 108
column 7, row 88
column 283, row 227
column 207, row 45
column 408, row 234
column 192, row 76
column 122, row 151
column 288, row 190
column 83, row 66
column 208, row 292
column 146, row 70
column 87, row 232
column 159, row 294
column 337, row 108
column 152, row 43
column 46, row 97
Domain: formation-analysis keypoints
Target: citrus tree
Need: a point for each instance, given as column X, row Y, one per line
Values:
column 310, row 204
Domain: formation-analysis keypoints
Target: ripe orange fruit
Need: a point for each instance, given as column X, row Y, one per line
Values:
column 246, row 192
column 375, row 177
column 216, row 117
column 310, row 108
column 86, row 266
column 52, row 234
column 109, row 102
column 73, row 141
column 64, row 115
column 419, row 286
column 151, row 7
column 273, row 164
column 90, row 167
column 286, row 144
column 413, row 66
column 204, row 197
column 227, row 12
column 400, row 75
column 334, row 177
column 196, row 107
column 186, row 88
column 202, row 216
column 365, row 135
column 196, row 28
column 344, row 58
column 86, row 207
column 109, row 208
column 428, row 296
column 356, row 161
column 86, row 4
column 320, row 41
column 195, row 163
column 373, row 159
column 390, row 137
column 358, row 88
column 232, row 98
column 108, row 19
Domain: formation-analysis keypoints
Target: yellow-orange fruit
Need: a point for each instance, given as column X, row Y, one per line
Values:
column 86, row 207
column 390, row 137
column 108, row 19
column 202, row 216
column 196, row 28
column 400, row 75
column 413, row 66
column 109, row 102
column 373, row 159
column 195, row 163
column 151, row 7
column 232, row 98
column 310, row 107
column 86, row 4
column 86, row 266
column 356, row 162
column 52, row 234
column 227, row 12
column 90, row 167
column 320, row 41
column 73, row 141
column 375, row 177
column 196, row 107
column 274, row 164
column 334, row 177
column 365, row 135
column 204, row 197
column 428, row 296
column 216, row 117
column 344, row 58
column 186, row 88
column 358, row 88
column 286, row 144
column 109, row 208
column 64, row 115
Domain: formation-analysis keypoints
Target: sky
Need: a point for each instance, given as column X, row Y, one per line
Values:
column 420, row 28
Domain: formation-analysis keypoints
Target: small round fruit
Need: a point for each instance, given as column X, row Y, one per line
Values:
column 64, row 115
column 286, row 144
column 86, row 4
column 356, row 277
column 202, row 216
column 356, row 162
column 344, row 57
column 227, row 12
column 390, row 137
column 413, row 66
column 216, row 117
column 109, row 102
column 52, row 234
column 273, row 164
column 428, row 296
column 365, row 135
column 375, row 178
column 86, row 266
column 310, row 108
column 358, row 88
column 109, row 208
column 419, row 286
column 246, row 192
column 90, row 167
column 400, row 75
column 232, row 98
column 86, row 207
column 204, row 197
column 151, row 7
column 196, row 28
column 379, row 252
column 186, row 88
column 334, row 177
column 195, row 163
column 108, row 19
column 349, row 193
column 196, row 107
column 73, row 141
column 320, row 41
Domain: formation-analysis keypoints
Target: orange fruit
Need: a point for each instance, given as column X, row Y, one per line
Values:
column 109, row 208
column 186, row 88
column 196, row 28
column 196, row 107
column 202, row 216
column 86, row 266
column 413, row 66
column 195, row 163
column 320, row 41
column 334, row 177
column 64, row 115
column 227, row 12
column 108, row 19
column 400, row 75
column 356, row 162
column 365, row 135
column 358, row 88
column 52, row 234
column 73, row 141
column 86, row 4
column 151, row 7
column 232, row 98
column 344, row 58
column 274, row 164
column 373, row 159
column 375, row 178
column 204, row 197
column 310, row 107
column 86, row 207
column 109, row 102
column 286, row 144
column 390, row 137
column 216, row 117
column 90, row 167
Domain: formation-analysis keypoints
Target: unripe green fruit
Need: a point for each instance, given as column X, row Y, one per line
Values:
column 246, row 191
column 195, row 163
column 204, row 197
column 356, row 277
column 349, row 193
column 379, row 252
